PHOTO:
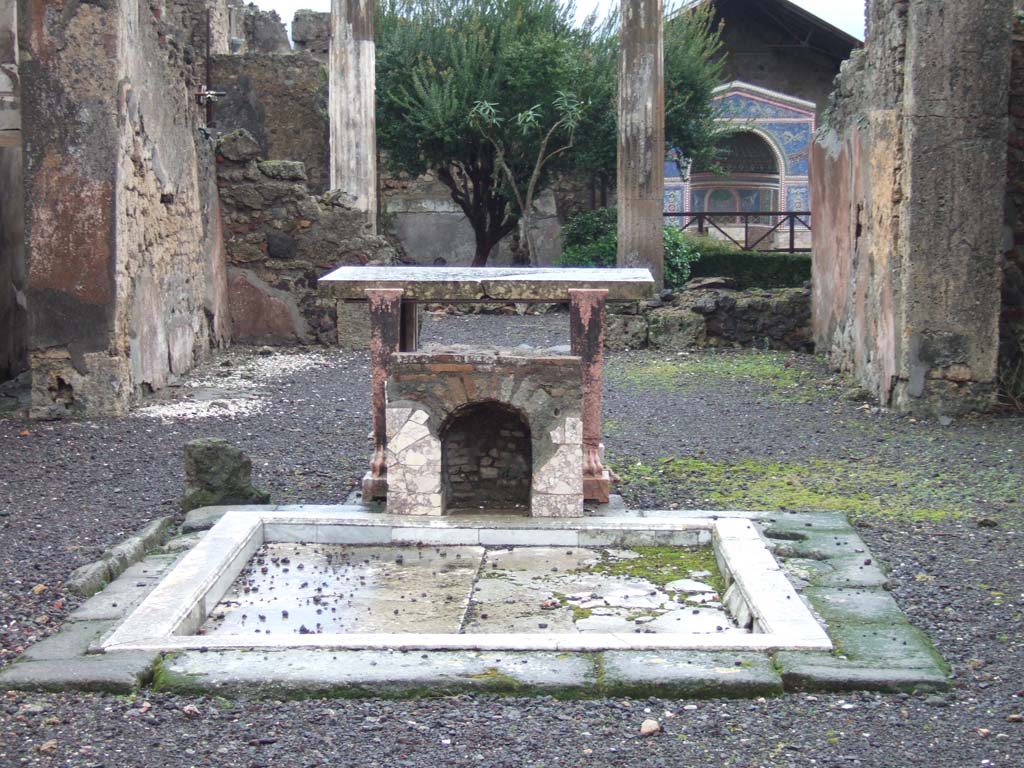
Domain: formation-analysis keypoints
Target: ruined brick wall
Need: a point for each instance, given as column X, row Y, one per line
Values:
column 12, row 251
column 906, row 184
column 126, row 281
column 279, row 240
column 282, row 102
column 1011, row 327
column 264, row 32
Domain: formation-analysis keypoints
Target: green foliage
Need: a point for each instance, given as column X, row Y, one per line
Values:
column 753, row 269
column 590, row 241
column 589, row 238
column 439, row 62
column 680, row 254
column 694, row 66
column 555, row 138
column 598, row 253
column 588, row 226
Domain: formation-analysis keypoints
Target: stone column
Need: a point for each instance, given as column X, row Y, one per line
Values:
column 351, row 106
column 586, row 319
column 641, row 151
column 385, row 332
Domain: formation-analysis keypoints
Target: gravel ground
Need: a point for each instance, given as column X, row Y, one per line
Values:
column 67, row 490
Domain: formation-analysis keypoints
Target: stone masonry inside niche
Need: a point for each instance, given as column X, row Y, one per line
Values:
column 279, row 239
column 486, row 459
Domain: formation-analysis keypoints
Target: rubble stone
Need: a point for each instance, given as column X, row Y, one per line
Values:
column 217, row 472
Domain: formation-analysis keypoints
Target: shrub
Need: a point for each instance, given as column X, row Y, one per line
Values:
column 587, row 227
column 590, row 241
column 754, row 269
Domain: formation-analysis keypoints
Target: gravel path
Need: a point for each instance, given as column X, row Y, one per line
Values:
column 771, row 433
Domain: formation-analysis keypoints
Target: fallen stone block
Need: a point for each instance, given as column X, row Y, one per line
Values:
column 217, row 472
column 204, row 518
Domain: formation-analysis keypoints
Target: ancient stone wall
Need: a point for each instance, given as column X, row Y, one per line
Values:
column 282, row 102
column 125, row 279
column 311, row 33
column 715, row 317
column 12, row 251
column 1011, row 327
column 906, row 257
column 432, row 229
column 279, row 239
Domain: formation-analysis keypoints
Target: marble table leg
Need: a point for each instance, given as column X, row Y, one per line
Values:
column 385, row 336
column 586, row 318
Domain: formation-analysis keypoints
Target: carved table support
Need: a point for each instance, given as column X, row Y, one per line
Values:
column 385, row 333
column 586, row 318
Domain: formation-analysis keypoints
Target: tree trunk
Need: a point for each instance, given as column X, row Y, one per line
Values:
column 483, row 248
column 472, row 190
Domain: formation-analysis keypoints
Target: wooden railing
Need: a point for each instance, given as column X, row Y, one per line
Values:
column 763, row 223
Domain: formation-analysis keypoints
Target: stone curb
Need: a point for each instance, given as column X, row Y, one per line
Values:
column 204, row 518
column 304, row 673
column 119, row 673
column 92, row 577
column 824, row 673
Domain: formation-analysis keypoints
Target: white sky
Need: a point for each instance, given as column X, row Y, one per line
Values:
column 848, row 15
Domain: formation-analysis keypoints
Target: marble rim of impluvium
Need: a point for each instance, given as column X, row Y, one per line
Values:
column 169, row 617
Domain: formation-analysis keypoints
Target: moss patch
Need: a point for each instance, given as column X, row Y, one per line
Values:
column 856, row 488
column 783, row 376
column 494, row 679
column 661, row 565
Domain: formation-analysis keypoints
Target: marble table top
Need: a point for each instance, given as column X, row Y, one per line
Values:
column 486, row 283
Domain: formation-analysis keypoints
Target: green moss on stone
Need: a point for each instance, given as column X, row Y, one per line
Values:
column 661, row 565
column 164, row 680
column 494, row 679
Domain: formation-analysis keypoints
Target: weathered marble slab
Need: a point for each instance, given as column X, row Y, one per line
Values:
column 486, row 283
